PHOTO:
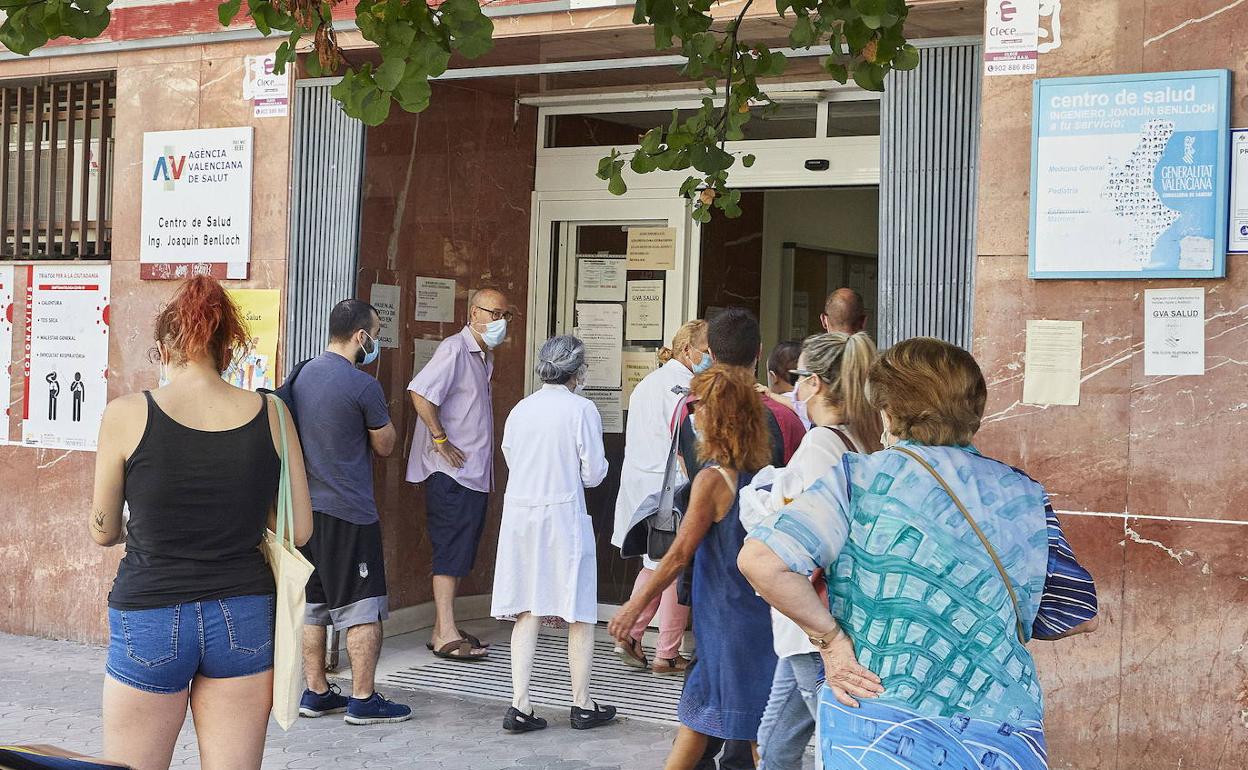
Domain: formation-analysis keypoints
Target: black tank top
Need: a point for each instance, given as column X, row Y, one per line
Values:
column 199, row 502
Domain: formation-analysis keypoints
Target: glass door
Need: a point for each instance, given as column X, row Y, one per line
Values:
column 615, row 273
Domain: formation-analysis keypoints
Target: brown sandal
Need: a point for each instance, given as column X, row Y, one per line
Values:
column 669, row 667
column 460, row 649
column 633, row 654
column 476, row 643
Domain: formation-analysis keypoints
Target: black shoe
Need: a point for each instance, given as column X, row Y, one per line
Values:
column 584, row 719
column 517, row 721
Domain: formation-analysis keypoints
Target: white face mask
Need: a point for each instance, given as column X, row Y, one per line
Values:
column 495, row 332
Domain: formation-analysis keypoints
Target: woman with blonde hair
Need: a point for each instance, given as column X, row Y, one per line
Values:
column 940, row 564
column 651, row 420
column 730, row 678
column 831, row 386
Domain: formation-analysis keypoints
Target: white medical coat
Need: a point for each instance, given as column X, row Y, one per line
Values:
column 546, row 564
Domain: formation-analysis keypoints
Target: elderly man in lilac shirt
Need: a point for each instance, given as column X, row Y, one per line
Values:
column 453, row 453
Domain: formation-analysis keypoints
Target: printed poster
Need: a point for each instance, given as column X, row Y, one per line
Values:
column 645, row 310
column 1239, row 192
column 66, row 363
column 1011, row 35
column 268, row 92
column 601, row 328
column 7, row 314
column 386, row 298
column 609, row 407
column 1052, row 363
column 435, row 299
column 196, row 203
column 801, row 315
column 1174, row 331
column 1130, row 176
column 635, row 365
column 600, row 279
column 257, row 367
column 651, row 248
column 424, row 350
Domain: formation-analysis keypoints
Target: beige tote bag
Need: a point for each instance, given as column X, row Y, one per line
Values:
column 291, row 572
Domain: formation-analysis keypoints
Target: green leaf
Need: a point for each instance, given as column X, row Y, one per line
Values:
column 413, row 94
column 390, row 73
column 374, row 107
column 747, row 160
column 869, row 76
column 907, row 58
column 227, row 11
column 803, row 33
column 870, row 7
column 836, row 70
column 616, row 186
column 312, row 65
column 472, row 32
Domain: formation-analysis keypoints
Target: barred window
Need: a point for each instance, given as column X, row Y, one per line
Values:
column 56, row 173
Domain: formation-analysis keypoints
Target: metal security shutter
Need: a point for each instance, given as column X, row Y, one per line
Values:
column 327, row 170
column 928, row 170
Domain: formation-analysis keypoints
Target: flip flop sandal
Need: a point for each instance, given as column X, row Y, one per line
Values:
column 477, row 643
column 460, row 649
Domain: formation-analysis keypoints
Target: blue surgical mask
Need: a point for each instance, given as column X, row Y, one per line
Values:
column 366, row 357
column 495, row 332
column 704, row 364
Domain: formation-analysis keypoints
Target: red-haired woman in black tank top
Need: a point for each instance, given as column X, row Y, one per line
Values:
column 191, row 610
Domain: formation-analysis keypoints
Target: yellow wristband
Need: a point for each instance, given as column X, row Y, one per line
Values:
column 442, row 440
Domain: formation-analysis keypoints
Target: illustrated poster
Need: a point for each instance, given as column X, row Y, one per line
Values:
column 257, row 367
column 7, row 313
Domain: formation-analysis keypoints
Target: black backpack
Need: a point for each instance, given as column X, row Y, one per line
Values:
column 287, row 390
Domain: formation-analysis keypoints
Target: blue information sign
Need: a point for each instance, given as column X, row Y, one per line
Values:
column 1129, row 176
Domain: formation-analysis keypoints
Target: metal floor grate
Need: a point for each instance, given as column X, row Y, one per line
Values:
column 636, row 693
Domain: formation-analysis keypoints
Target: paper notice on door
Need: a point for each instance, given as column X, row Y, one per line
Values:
column 1174, row 331
column 435, row 299
column 600, row 280
column 645, row 311
column 386, row 297
column 601, row 328
column 609, row 406
column 652, row 248
column 424, row 353
column 801, row 315
column 1052, row 363
column 636, row 364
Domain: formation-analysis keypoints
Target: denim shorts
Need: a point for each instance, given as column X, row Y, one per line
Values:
column 161, row 650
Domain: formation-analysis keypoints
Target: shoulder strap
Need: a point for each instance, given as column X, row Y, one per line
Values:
column 285, row 510
column 732, row 487
column 1009, row 587
column 844, row 437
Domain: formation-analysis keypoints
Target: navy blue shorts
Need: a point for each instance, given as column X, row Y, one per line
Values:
column 161, row 650
column 455, row 516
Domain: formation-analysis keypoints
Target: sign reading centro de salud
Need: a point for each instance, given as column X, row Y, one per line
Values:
column 1129, row 176
column 196, row 203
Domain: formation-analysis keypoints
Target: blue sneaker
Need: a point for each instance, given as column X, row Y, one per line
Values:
column 375, row 710
column 313, row 705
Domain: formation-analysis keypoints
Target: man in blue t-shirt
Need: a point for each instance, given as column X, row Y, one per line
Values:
column 344, row 421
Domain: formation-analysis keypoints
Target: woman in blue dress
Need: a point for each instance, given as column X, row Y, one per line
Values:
column 728, row 683
column 941, row 565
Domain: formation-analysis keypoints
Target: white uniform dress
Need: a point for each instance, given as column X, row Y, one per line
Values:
column 647, row 442
column 546, row 563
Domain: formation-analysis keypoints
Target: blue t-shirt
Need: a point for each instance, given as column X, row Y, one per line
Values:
column 338, row 405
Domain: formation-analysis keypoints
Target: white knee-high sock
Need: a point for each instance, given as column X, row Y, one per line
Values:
column 581, row 662
column 523, row 650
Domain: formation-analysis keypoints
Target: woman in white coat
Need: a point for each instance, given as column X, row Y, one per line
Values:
column 646, row 445
column 546, row 565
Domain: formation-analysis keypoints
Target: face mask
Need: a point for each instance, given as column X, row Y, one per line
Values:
column 366, row 357
column 704, row 364
column 164, row 371
column 801, row 403
column 495, row 332
column 580, row 387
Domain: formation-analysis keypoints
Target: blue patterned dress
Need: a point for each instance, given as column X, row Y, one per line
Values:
column 928, row 611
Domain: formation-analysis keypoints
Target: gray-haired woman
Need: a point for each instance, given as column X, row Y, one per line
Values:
column 545, row 566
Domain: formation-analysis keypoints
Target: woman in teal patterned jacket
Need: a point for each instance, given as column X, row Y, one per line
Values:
column 941, row 564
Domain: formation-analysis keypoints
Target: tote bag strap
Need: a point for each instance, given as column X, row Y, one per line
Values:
column 844, row 437
column 1009, row 587
column 285, row 510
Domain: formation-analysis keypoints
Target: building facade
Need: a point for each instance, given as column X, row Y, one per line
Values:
column 919, row 197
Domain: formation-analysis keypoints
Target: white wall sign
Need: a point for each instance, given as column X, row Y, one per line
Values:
column 610, row 407
column 1010, row 36
column 435, row 299
column 1174, row 331
column 1238, row 241
column 66, row 356
column 386, row 298
column 1052, row 363
column 6, row 345
column 196, row 200
column 424, row 350
column 268, row 92
column 651, row 248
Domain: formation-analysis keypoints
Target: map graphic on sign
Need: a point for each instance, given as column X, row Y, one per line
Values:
column 1129, row 176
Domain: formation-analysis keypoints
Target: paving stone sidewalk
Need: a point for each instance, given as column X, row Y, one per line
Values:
column 50, row 693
